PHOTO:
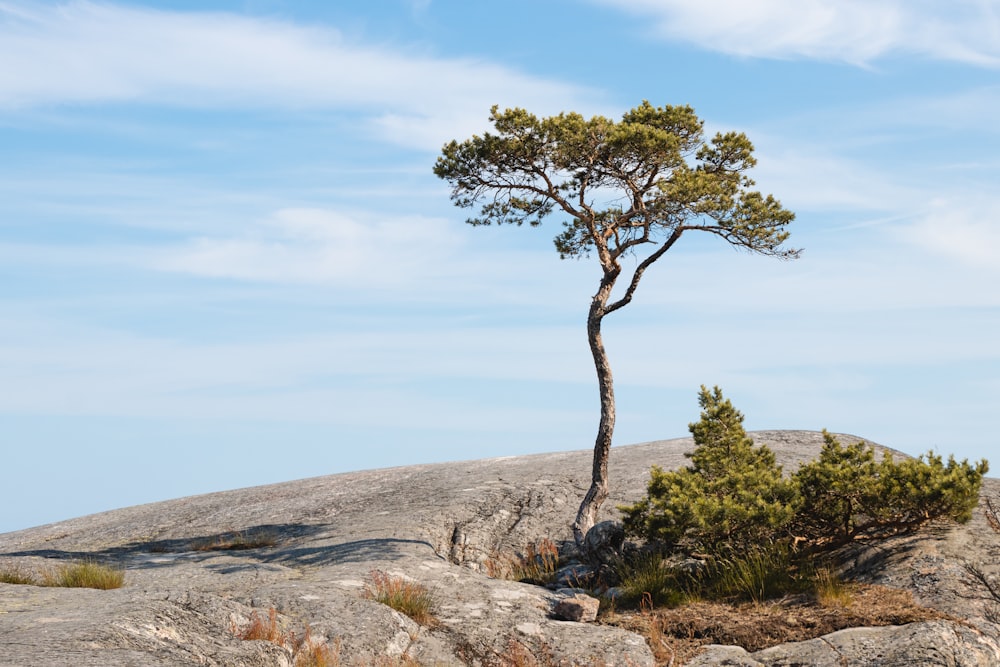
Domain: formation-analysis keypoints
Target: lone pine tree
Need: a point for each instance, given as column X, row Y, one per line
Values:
column 627, row 188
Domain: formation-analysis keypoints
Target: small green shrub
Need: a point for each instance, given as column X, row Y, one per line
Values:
column 845, row 494
column 732, row 497
column 405, row 596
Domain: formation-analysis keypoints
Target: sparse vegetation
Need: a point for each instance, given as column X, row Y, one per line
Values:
column 756, row 575
column 985, row 587
column 264, row 629
column 537, row 564
column 516, row 653
column 675, row 635
column 305, row 650
column 764, row 572
column 83, row 574
column 317, row 654
column 404, row 595
column 237, row 541
column 830, row 590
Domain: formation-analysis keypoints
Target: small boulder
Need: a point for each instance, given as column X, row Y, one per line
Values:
column 580, row 608
column 604, row 542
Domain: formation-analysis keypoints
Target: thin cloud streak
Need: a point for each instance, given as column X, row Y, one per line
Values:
column 321, row 247
column 96, row 53
column 858, row 32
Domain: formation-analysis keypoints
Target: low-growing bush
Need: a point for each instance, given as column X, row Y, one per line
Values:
column 733, row 497
column 846, row 495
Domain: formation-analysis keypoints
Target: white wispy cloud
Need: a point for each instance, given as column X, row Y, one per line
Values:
column 966, row 230
column 320, row 246
column 84, row 52
column 853, row 31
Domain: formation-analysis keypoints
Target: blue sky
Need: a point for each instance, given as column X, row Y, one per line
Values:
column 224, row 259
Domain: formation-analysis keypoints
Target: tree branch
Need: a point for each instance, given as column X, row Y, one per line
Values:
column 639, row 270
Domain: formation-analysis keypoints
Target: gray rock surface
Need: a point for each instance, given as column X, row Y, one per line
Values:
column 928, row 644
column 435, row 524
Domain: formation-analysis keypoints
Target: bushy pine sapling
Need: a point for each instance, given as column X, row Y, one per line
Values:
column 732, row 496
column 847, row 495
column 835, row 489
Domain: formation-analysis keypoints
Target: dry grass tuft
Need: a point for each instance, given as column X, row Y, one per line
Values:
column 520, row 655
column 678, row 634
column 17, row 574
column 237, row 541
column 407, row 597
column 85, row 574
column 266, row 629
column 537, row 564
column 829, row 590
column 311, row 653
column 306, row 650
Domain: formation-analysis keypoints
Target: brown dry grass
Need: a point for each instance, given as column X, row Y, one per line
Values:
column 536, row 564
column 237, row 541
column 676, row 635
column 405, row 596
column 306, row 651
column 310, row 653
column 83, row 574
column 265, row 629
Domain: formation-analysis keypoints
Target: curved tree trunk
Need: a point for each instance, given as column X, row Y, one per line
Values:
column 586, row 517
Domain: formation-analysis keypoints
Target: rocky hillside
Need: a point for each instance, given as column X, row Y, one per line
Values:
column 311, row 546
